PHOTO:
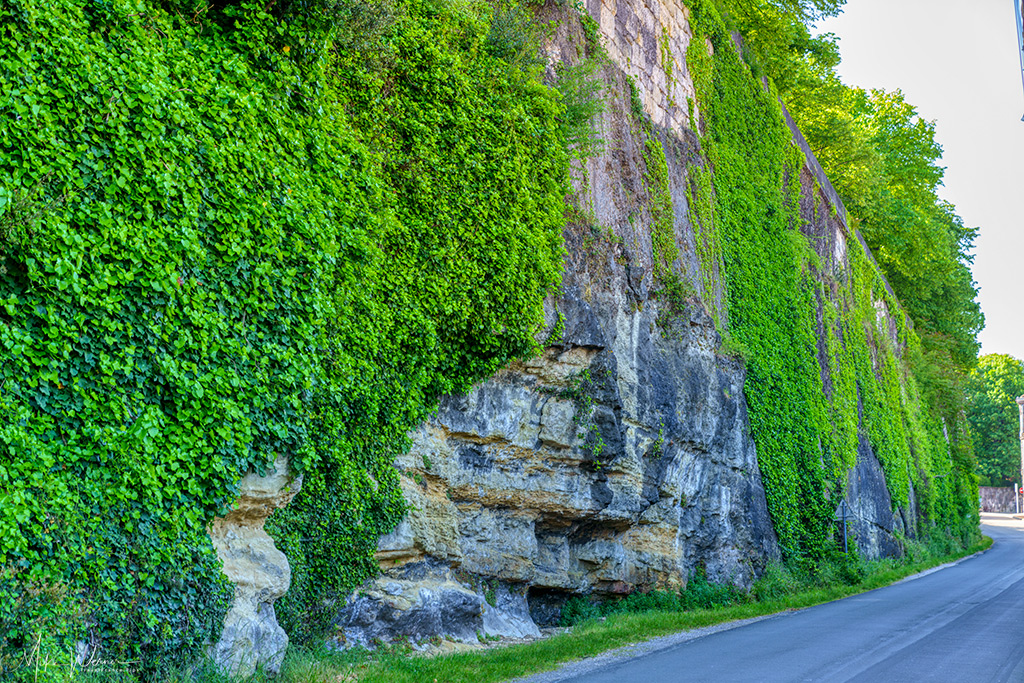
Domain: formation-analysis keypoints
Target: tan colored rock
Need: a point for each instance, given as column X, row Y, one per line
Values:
column 431, row 531
column 259, row 571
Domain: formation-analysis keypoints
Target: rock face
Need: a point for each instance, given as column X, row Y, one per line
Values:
column 516, row 506
column 873, row 524
column 620, row 459
column 252, row 637
column 426, row 600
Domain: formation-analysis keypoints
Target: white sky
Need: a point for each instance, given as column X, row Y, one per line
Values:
column 957, row 62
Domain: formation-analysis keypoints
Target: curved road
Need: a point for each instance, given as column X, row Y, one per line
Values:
column 964, row 622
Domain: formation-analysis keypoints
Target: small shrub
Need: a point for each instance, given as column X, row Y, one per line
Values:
column 659, row 444
column 583, row 96
column 702, row 594
column 653, row 601
column 636, row 105
column 698, row 594
column 513, row 37
column 592, row 33
column 734, row 348
column 578, row 610
column 776, row 583
column 840, row 569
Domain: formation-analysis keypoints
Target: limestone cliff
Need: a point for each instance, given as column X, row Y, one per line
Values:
column 621, row 457
column 509, row 491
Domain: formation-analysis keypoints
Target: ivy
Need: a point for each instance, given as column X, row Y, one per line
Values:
column 807, row 433
column 674, row 288
column 232, row 232
column 488, row 170
column 222, row 240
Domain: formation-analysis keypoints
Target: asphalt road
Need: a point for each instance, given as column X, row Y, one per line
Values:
column 961, row 623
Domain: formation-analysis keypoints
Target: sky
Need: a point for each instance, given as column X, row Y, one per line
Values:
column 957, row 62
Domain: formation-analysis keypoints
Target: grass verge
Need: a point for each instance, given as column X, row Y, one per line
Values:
column 596, row 636
column 626, row 622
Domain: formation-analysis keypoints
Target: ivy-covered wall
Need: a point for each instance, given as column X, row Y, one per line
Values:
column 229, row 232
column 829, row 351
column 233, row 231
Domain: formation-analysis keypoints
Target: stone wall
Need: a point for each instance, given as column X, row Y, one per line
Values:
column 997, row 499
column 647, row 40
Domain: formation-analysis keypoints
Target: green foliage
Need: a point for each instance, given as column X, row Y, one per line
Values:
column 357, row 26
column 557, row 332
column 699, row 594
column 706, row 236
column 636, row 106
column 769, row 307
column 224, row 242
column 992, row 390
column 580, row 388
column 780, row 581
column 512, row 37
column 883, row 160
column 582, row 96
column 665, row 53
column 579, row 609
column 237, row 232
column 675, row 290
column 807, row 434
column 489, row 169
column 592, row 34
column 663, row 231
column 777, row 40
column 658, row 447
column 490, row 592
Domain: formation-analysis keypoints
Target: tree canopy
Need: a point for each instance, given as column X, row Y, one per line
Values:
column 992, row 389
column 883, row 159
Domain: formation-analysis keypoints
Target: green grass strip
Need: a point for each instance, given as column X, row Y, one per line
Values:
column 586, row 640
column 398, row 664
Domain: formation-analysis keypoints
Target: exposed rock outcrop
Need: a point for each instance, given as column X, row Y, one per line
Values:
column 872, row 524
column 620, row 459
column 259, row 571
column 426, row 600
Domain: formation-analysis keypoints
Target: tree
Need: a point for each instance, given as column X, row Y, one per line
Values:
column 883, row 159
column 992, row 413
column 777, row 40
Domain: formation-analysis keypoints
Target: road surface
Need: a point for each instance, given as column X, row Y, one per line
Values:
column 961, row 623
